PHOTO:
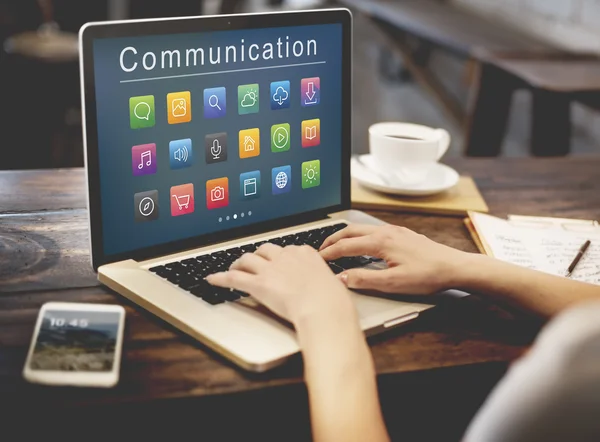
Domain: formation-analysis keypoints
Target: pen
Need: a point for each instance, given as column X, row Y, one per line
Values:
column 580, row 254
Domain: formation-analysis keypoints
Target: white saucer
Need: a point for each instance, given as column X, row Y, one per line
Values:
column 439, row 178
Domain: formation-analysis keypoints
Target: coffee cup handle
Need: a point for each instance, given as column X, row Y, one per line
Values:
column 444, row 143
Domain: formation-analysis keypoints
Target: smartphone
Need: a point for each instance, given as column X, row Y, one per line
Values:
column 76, row 345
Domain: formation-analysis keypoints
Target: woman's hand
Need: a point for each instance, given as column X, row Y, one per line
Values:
column 297, row 284
column 417, row 265
column 294, row 282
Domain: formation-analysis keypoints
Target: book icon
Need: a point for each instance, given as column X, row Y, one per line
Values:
column 311, row 133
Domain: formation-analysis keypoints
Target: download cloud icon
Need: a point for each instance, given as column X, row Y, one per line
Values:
column 280, row 95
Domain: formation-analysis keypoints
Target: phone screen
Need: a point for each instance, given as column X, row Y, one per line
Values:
column 71, row 340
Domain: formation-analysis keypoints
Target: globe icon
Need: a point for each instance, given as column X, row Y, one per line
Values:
column 281, row 180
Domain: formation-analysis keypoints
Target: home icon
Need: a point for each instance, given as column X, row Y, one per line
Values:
column 249, row 143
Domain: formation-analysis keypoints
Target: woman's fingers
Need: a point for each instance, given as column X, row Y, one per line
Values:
column 269, row 251
column 250, row 263
column 364, row 245
column 352, row 231
column 234, row 279
column 365, row 279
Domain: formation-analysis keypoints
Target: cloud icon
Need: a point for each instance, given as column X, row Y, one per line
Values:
column 280, row 95
column 249, row 99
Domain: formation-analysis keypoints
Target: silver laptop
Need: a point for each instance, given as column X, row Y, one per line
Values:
column 206, row 137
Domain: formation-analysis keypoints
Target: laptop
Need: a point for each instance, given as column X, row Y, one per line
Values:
column 206, row 137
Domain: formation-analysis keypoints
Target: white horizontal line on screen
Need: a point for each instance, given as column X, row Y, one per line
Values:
column 134, row 80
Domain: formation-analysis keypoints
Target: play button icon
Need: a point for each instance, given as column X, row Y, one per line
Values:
column 280, row 137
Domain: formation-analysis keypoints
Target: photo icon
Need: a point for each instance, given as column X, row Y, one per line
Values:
column 179, row 107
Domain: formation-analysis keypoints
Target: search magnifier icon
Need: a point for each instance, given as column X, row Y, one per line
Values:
column 213, row 101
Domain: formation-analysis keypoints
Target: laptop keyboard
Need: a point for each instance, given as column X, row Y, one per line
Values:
column 189, row 273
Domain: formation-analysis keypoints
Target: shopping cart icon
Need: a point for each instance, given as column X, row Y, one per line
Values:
column 183, row 201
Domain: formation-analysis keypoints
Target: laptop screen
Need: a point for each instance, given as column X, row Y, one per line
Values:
column 199, row 133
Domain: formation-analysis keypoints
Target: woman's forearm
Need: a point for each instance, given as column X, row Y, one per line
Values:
column 341, row 381
column 537, row 292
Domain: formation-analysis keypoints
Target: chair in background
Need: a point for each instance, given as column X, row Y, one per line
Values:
column 502, row 59
column 554, row 82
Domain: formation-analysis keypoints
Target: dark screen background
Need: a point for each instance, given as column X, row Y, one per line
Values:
column 85, row 341
column 115, row 137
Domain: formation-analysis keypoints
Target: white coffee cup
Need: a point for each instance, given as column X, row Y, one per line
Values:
column 405, row 152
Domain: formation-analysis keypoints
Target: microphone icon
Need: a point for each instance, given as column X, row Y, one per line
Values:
column 216, row 149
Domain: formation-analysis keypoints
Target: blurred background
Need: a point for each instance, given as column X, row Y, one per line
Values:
column 505, row 77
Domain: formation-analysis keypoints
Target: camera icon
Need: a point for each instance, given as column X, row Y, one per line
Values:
column 217, row 194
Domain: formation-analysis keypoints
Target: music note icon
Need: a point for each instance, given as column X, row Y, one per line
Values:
column 147, row 154
column 143, row 158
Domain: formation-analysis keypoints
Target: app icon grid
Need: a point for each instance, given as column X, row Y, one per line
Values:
column 179, row 110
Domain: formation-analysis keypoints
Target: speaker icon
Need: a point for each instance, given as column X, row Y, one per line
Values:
column 180, row 153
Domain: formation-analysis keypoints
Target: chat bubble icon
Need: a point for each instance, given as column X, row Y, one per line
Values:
column 141, row 111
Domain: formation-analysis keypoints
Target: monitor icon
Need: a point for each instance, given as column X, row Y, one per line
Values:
column 250, row 185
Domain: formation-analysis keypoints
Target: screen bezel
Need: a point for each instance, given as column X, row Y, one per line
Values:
column 76, row 378
column 131, row 28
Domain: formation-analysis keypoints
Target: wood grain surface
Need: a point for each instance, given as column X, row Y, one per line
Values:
column 44, row 257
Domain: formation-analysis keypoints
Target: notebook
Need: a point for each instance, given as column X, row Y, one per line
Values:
column 544, row 244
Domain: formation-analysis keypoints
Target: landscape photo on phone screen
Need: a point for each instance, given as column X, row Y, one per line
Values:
column 71, row 340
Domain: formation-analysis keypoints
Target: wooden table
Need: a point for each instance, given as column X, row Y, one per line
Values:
column 439, row 369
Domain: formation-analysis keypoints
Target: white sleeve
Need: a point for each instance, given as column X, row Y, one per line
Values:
column 553, row 393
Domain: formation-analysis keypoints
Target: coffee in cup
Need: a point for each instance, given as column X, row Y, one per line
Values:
column 405, row 152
